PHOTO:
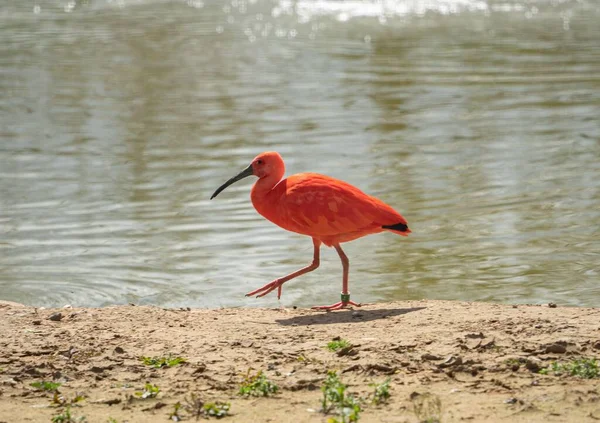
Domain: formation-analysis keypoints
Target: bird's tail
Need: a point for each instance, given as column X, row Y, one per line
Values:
column 399, row 228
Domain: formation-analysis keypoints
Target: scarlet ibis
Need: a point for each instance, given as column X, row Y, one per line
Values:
column 329, row 210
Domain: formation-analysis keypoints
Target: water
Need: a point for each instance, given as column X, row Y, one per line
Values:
column 478, row 120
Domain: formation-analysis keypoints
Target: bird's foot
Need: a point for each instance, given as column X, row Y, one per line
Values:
column 336, row 306
column 264, row 290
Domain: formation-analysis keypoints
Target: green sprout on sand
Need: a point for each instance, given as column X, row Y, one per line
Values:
column 67, row 417
column 257, row 386
column 382, row 392
column 46, row 386
column 175, row 414
column 336, row 398
column 150, row 391
column 158, row 362
column 585, row 368
column 338, row 344
column 59, row 400
column 216, row 409
column 196, row 406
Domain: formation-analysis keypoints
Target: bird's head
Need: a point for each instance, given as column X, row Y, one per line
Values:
column 266, row 165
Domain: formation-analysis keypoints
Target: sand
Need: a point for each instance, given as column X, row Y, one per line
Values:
column 446, row 361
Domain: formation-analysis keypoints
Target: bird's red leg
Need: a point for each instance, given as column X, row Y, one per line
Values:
column 345, row 294
column 277, row 283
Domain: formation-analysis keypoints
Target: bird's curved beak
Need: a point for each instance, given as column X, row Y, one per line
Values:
column 243, row 174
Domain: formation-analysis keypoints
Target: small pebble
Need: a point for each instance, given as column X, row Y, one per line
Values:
column 551, row 305
column 56, row 317
column 533, row 364
column 556, row 348
column 430, row 357
column 37, row 322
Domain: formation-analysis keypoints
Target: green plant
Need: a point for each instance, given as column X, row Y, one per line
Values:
column 175, row 414
column 112, row 420
column 197, row 407
column 67, row 417
column 150, row 391
column 382, row 391
column 257, row 386
column 62, row 401
column 216, row 409
column 335, row 397
column 585, row 368
column 158, row 362
column 46, row 386
column 338, row 344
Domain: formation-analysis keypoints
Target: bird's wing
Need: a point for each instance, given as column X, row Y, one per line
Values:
column 319, row 205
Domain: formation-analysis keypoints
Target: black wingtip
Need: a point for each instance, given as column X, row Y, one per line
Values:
column 401, row 227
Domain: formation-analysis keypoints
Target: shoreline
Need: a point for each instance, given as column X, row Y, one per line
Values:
column 454, row 361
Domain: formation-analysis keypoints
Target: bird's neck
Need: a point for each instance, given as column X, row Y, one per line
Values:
column 260, row 194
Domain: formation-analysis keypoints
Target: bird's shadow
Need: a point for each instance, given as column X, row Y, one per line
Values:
column 346, row 316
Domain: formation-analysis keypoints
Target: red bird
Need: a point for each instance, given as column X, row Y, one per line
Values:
column 327, row 209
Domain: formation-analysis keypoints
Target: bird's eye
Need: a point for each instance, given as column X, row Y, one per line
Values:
column 259, row 162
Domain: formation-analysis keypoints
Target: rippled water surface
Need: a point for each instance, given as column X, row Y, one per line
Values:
column 478, row 120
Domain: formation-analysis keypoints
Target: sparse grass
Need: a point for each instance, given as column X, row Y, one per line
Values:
column 46, row 386
column 198, row 408
column 257, row 386
column 150, row 391
column 338, row 344
column 112, row 420
column 66, row 417
column 585, row 368
column 158, row 362
column 382, row 392
column 335, row 397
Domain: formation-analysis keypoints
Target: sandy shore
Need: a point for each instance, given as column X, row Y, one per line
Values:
column 447, row 361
